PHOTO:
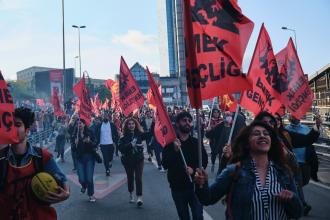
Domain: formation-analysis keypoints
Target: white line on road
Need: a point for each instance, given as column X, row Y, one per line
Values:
column 320, row 185
column 65, row 152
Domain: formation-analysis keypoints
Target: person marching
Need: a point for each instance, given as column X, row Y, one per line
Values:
column 258, row 183
column 182, row 188
column 131, row 148
column 19, row 163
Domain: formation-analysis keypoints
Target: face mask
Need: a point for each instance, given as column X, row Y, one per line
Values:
column 228, row 119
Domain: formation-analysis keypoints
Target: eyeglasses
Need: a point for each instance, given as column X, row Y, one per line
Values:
column 259, row 133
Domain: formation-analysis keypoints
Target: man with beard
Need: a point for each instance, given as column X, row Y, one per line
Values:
column 107, row 136
column 178, row 175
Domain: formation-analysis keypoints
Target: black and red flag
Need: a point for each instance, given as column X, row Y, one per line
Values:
column 163, row 130
column 296, row 94
column 216, row 36
column 8, row 131
column 130, row 95
column 264, row 77
column 55, row 100
column 85, row 105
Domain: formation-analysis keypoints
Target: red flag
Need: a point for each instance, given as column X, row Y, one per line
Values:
column 296, row 94
column 55, row 100
column 85, row 107
column 130, row 95
column 8, row 131
column 105, row 105
column 96, row 105
column 164, row 131
column 227, row 103
column 216, row 36
column 113, row 86
column 263, row 75
column 40, row 102
column 150, row 97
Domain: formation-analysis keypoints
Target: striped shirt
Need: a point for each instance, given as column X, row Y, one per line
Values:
column 264, row 202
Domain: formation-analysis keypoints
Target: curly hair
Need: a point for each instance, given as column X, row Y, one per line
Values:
column 26, row 115
column 241, row 147
column 138, row 127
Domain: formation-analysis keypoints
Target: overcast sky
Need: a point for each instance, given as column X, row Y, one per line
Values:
column 31, row 33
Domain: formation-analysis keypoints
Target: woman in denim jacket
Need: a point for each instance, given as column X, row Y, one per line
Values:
column 258, row 183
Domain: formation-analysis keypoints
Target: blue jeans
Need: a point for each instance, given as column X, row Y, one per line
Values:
column 185, row 198
column 85, row 172
column 107, row 154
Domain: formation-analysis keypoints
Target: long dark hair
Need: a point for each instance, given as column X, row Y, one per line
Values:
column 241, row 148
column 138, row 127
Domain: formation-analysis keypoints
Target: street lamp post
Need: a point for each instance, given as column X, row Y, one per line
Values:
column 295, row 36
column 79, row 27
column 75, row 64
column 63, row 42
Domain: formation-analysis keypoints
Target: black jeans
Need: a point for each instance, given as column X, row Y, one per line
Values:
column 107, row 154
column 134, row 172
column 184, row 199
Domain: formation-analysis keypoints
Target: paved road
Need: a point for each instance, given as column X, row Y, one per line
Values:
column 158, row 204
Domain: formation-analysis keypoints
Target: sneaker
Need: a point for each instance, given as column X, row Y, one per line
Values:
column 307, row 209
column 131, row 198
column 107, row 173
column 159, row 168
column 139, row 201
column 92, row 199
column 83, row 190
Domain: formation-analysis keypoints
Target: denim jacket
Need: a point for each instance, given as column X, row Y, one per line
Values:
column 242, row 191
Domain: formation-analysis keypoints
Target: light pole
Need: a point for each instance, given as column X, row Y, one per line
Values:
column 295, row 36
column 79, row 27
column 63, row 42
column 75, row 64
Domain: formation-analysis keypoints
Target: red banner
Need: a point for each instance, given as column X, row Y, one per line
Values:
column 130, row 95
column 164, row 131
column 227, row 103
column 296, row 94
column 113, row 87
column 216, row 37
column 55, row 100
column 8, row 131
column 40, row 102
column 105, row 105
column 85, row 106
column 263, row 75
column 96, row 105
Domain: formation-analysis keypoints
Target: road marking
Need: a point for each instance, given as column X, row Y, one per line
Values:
column 65, row 152
column 320, row 185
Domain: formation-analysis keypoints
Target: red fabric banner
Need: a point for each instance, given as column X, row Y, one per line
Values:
column 105, row 105
column 263, row 75
column 296, row 94
column 216, row 36
column 227, row 103
column 8, row 131
column 164, row 131
column 40, row 102
column 96, row 105
column 113, row 87
column 55, row 100
column 85, row 105
column 130, row 95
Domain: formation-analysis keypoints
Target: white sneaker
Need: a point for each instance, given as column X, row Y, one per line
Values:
column 92, row 199
column 139, row 201
column 131, row 198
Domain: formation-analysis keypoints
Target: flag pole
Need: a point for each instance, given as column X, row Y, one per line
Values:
column 185, row 163
column 233, row 125
column 199, row 137
column 210, row 115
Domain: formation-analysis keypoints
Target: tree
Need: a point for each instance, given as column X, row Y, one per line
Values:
column 103, row 93
column 20, row 90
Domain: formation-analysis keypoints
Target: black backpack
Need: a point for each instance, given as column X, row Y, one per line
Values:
column 37, row 162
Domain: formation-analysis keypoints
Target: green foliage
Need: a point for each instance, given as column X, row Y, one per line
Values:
column 103, row 93
column 20, row 90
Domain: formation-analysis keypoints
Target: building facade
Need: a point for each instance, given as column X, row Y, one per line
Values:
column 28, row 74
column 172, row 48
column 320, row 85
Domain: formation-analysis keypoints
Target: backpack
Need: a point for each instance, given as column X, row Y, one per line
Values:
column 37, row 162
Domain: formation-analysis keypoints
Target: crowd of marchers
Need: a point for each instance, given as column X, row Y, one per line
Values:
column 261, row 172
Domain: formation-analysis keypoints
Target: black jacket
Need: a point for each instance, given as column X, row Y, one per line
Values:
column 172, row 161
column 114, row 133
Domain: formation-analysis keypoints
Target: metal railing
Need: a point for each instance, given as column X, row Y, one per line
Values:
column 42, row 138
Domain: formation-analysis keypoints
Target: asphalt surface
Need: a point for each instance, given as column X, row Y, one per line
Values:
column 113, row 202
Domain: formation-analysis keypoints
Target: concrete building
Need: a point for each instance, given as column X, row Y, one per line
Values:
column 320, row 85
column 171, row 44
column 28, row 74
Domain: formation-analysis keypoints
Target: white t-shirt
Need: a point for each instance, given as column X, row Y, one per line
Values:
column 106, row 135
